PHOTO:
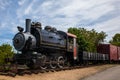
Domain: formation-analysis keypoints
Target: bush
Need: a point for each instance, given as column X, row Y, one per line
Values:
column 5, row 52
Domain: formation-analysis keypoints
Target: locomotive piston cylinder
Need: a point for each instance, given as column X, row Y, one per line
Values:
column 28, row 25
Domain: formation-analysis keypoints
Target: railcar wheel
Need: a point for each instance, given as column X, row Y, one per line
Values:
column 43, row 62
column 53, row 64
column 60, row 62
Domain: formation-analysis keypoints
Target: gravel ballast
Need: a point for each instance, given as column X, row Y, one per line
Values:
column 75, row 74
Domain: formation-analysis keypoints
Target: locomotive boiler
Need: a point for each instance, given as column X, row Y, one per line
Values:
column 44, row 48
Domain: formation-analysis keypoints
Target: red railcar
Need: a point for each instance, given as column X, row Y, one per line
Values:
column 109, row 49
column 118, row 53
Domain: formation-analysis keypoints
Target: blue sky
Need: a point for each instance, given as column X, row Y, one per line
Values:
column 101, row 15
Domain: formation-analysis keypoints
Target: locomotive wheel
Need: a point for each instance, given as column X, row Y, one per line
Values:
column 60, row 62
column 43, row 63
column 53, row 65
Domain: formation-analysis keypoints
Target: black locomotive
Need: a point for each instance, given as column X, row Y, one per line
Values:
column 43, row 48
column 51, row 48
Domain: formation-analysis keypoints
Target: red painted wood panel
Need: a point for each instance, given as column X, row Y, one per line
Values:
column 109, row 49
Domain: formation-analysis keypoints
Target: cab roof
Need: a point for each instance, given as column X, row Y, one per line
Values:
column 71, row 35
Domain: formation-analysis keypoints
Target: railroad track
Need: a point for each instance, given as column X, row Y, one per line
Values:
column 36, row 71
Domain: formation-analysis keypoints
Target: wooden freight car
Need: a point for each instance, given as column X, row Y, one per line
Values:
column 118, row 53
column 112, row 50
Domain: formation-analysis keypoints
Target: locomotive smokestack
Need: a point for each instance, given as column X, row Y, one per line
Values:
column 28, row 25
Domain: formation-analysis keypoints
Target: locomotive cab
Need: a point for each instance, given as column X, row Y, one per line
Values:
column 72, row 45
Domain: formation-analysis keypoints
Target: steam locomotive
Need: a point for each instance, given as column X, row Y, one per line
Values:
column 40, row 48
column 51, row 48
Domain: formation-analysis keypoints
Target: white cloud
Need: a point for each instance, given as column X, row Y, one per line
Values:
column 69, row 13
column 29, row 8
column 111, row 27
column 97, row 12
column 21, row 2
column 4, row 4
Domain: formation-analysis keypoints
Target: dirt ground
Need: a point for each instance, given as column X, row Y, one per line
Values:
column 109, row 74
column 75, row 74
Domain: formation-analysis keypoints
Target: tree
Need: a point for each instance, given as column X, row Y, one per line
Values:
column 80, row 38
column 116, row 39
column 5, row 51
column 87, row 39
